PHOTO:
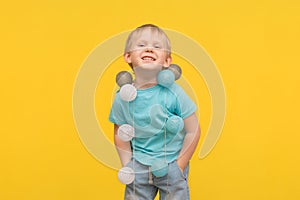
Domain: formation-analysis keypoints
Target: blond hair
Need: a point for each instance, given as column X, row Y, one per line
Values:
column 155, row 29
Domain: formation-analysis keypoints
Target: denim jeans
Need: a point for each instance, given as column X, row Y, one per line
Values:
column 172, row 186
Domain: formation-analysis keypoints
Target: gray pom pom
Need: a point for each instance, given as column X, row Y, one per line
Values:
column 123, row 78
column 176, row 70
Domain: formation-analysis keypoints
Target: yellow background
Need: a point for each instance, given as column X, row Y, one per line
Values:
column 255, row 45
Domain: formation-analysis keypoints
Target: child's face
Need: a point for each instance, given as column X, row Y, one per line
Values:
column 149, row 51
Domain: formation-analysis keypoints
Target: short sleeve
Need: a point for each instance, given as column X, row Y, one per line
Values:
column 117, row 115
column 184, row 105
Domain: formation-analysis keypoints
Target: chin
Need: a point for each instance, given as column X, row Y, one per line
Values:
column 151, row 66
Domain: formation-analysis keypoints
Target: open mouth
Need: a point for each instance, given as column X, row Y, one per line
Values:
column 148, row 58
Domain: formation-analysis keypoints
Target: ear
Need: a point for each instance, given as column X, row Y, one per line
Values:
column 168, row 62
column 127, row 58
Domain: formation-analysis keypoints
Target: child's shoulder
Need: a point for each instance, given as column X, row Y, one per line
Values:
column 176, row 88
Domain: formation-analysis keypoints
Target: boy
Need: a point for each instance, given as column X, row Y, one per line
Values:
column 148, row 51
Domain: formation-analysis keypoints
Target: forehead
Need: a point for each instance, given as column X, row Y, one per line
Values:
column 149, row 34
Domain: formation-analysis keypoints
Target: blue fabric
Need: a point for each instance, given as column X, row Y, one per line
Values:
column 148, row 114
column 174, row 185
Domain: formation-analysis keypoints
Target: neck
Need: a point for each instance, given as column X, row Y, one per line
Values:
column 145, row 78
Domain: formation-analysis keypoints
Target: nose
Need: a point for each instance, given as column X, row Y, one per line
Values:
column 149, row 49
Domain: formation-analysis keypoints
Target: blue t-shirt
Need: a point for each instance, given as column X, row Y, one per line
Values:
column 148, row 114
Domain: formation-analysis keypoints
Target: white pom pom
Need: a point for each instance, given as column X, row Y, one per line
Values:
column 126, row 175
column 128, row 92
column 126, row 132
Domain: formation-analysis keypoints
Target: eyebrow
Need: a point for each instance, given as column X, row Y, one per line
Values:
column 154, row 42
column 141, row 41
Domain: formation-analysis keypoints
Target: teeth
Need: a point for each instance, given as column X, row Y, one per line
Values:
column 148, row 58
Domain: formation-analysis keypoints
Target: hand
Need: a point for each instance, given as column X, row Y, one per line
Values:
column 180, row 166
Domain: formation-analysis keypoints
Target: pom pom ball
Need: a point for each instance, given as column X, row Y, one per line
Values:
column 126, row 132
column 159, row 168
column 126, row 175
column 123, row 78
column 165, row 78
column 174, row 124
column 176, row 70
column 128, row 92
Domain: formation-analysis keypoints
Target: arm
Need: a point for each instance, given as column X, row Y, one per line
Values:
column 192, row 128
column 123, row 148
